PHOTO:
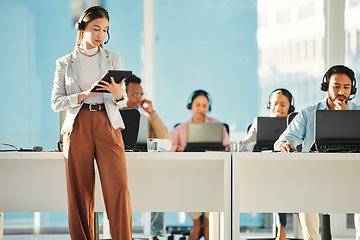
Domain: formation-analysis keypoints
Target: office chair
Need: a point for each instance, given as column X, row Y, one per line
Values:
column 290, row 117
column 227, row 128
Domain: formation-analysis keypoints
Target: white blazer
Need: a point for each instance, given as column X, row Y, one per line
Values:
column 66, row 89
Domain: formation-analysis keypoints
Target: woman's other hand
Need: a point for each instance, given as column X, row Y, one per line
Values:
column 113, row 87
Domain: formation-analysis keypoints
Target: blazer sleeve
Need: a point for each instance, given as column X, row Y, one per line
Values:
column 59, row 99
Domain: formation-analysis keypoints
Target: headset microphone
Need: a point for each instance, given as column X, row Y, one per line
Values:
column 108, row 34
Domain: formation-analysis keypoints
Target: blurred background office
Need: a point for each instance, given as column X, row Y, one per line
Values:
column 236, row 49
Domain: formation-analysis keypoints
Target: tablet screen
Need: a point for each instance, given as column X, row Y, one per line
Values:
column 118, row 75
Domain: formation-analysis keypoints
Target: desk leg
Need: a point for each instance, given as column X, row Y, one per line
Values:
column 226, row 225
column 1, row 225
column 96, row 226
column 215, row 225
column 297, row 227
column 235, row 216
column 106, row 227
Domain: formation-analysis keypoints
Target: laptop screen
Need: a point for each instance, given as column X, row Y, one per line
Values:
column 204, row 132
column 334, row 126
column 269, row 129
column 143, row 130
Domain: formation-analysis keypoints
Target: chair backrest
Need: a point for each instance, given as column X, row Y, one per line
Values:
column 290, row 117
column 227, row 128
column 131, row 118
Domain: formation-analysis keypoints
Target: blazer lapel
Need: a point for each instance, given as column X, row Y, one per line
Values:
column 75, row 68
column 105, row 63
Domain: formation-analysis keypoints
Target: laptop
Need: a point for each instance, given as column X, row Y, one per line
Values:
column 337, row 131
column 141, row 143
column 269, row 130
column 204, row 136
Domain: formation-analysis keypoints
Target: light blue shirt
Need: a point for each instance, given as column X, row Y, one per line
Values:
column 301, row 129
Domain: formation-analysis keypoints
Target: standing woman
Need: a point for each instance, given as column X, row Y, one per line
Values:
column 92, row 129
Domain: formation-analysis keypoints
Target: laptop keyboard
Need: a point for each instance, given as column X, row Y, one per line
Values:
column 141, row 147
column 260, row 148
column 339, row 148
column 204, row 149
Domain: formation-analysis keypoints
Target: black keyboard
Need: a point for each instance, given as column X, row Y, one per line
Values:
column 260, row 148
column 141, row 147
column 204, row 148
column 339, row 148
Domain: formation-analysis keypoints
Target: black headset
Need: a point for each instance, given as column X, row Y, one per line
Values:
column 197, row 93
column 291, row 100
column 340, row 69
column 80, row 25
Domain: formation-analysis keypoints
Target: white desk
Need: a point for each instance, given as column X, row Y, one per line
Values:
column 36, row 182
column 295, row 182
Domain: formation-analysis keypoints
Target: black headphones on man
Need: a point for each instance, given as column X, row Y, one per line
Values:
column 288, row 94
column 340, row 69
column 197, row 93
column 80, row 25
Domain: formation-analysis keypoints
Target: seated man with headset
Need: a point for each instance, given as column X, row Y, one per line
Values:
column 339, row 82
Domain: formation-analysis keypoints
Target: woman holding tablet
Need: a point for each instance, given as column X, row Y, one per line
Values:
column 92, row 129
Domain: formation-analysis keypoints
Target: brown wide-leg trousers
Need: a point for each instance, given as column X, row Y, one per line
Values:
column 94, row 137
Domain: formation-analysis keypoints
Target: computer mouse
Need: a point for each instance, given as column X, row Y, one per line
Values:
column 292, row 150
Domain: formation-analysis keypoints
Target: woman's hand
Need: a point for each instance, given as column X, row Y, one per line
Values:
column 87, row 94
column 113, row 87
column 180, row 149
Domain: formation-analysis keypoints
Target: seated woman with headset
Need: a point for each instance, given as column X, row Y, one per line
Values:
column 281, row 104
column 200, row 105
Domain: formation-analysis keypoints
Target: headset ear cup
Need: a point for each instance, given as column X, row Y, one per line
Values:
column 268, row 105
column 188, row 106
column 209, row 108
column 324, row 86
column 291, row 109
column 80, row 26
column 353, row 91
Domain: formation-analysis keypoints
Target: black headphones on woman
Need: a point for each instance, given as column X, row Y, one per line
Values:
column 339, row 69
column 197, row 93
column 80, row 25
column 285, row 92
